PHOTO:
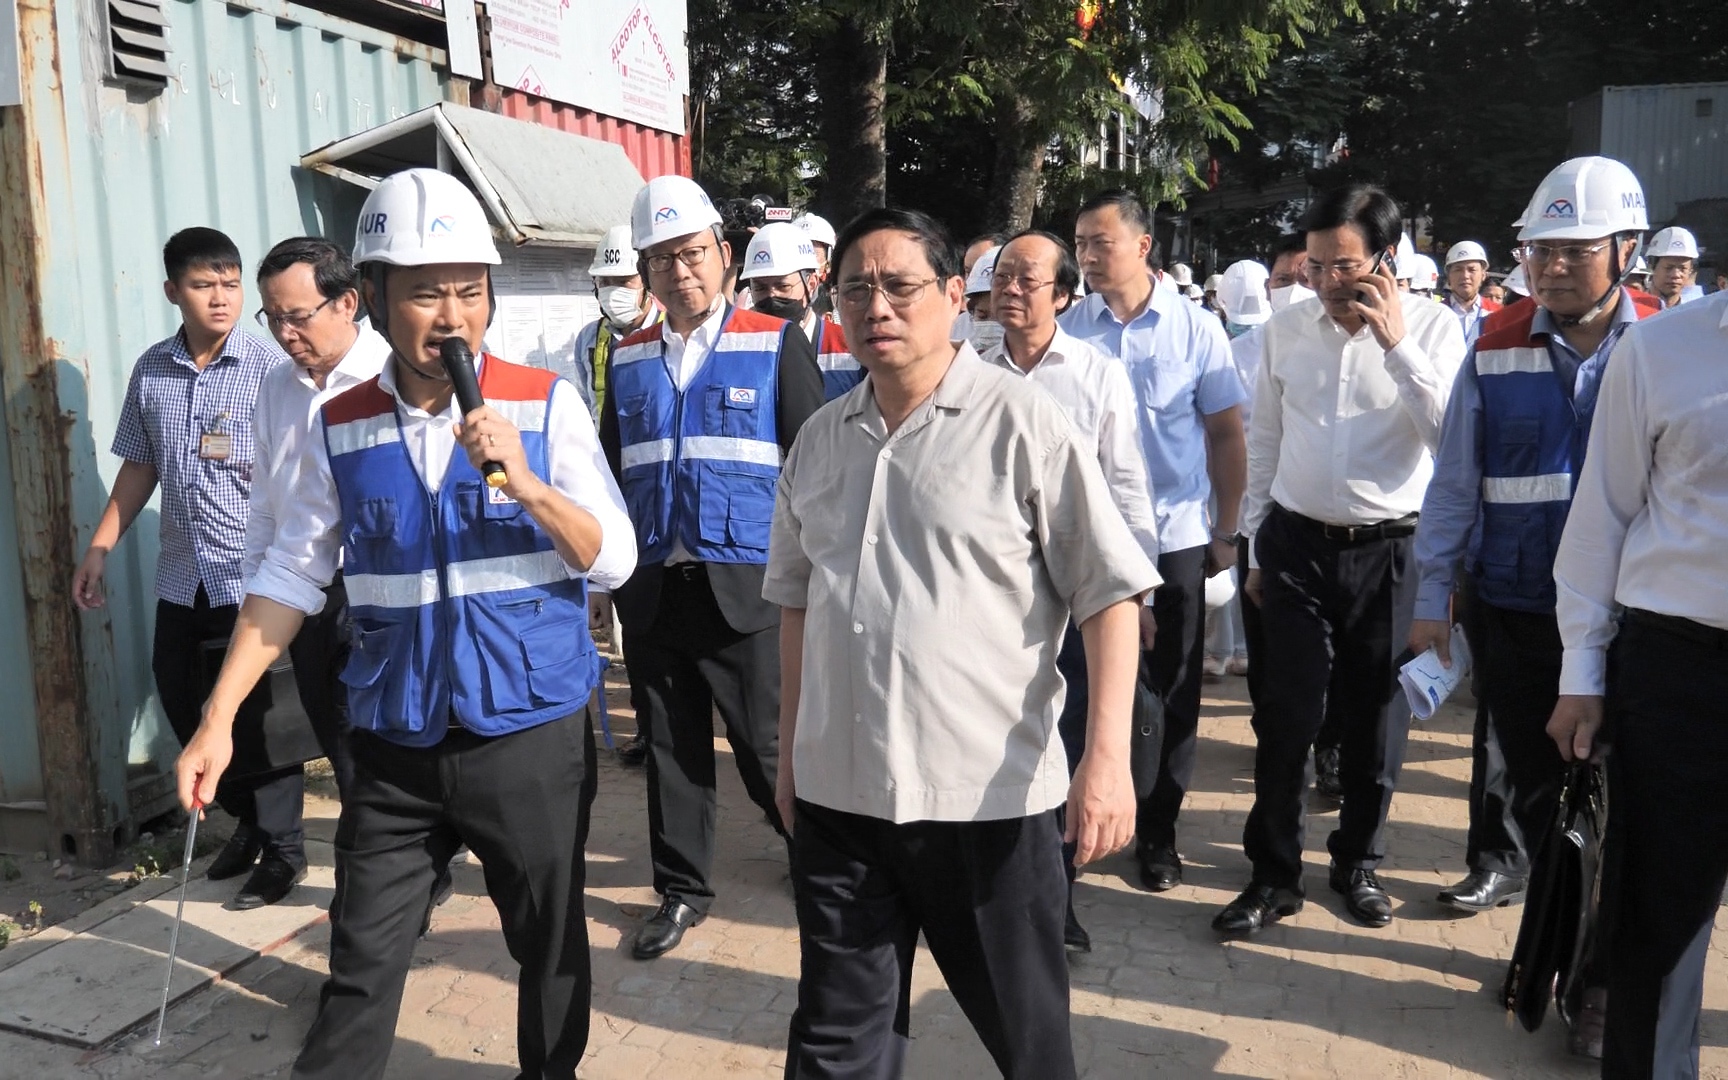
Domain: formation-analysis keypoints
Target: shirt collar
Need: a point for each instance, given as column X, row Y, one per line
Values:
column 707, row 330
column 180, row 350
column 952, row 392
column 387, row 381
column 1059, row 351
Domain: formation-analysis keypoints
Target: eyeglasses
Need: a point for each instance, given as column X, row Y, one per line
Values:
column 1349, row 268
column 292, row 322
column 690, row 256
column 1543, row 254
column 1023, row 282
column 900, row 292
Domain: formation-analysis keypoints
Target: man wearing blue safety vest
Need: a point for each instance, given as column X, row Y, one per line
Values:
column 780, row 270
column 700, row 412
column 471, row 658
column 1511, row 449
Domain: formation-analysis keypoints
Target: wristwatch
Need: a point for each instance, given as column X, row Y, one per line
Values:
column 1229, row 538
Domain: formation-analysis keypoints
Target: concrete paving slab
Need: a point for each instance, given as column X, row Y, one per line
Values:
column 95, row 984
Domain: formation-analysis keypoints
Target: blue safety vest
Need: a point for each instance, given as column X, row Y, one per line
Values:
column 1533, row 442
column 700, row 465
column 461, row 603
column 840, row 369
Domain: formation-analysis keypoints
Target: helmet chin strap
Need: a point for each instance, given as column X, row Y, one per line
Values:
column 441, row 377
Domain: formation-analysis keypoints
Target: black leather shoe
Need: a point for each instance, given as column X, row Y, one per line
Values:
column 633, row 751
column 1257, row 907
column 1074, row 936
column 1327, row 783
column 1160, row 867
column 1364, row 899
column 237, row 855
column 273, row 880
column 664, row 929
column 1484, row 890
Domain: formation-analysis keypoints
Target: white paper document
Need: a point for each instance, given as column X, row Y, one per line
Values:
column 1428, row 683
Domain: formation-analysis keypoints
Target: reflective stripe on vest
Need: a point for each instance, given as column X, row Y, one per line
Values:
column 698, row 466
column 461, row 603
column 1549, row 487
column 840, row 369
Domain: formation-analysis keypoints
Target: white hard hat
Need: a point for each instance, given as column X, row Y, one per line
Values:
column 615, row 257
column 420, row 217
column 817, row 226
column 1466, row 251
column 1427, row 276
column 1584, row 199
column 1639, row 266
column 982, row 271
column 1404, row 262
column 1192, row 291
column 668, row 207
column 1242, row 291
column 778, row 248
column 1183, row 274
column 1516, row 282
column 1213, row 282
column 1673, row 242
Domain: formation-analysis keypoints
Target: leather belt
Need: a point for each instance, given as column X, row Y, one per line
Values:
column 1393, row 529
column 1696, row 632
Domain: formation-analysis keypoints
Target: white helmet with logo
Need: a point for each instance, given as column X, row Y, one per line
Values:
column 1585, row 198
column 615, row 257
column 668, row 207
column 1242, row 291
column 817, row 226
column 1466, row 251
column 1673, row 243
column 778, row 248
column 422, row 217
column 982, row 271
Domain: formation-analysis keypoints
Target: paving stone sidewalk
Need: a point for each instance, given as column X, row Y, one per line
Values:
column 1316, row 996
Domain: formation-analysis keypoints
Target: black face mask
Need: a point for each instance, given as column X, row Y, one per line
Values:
column 783, row 307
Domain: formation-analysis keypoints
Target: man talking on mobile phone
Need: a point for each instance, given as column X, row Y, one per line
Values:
column 1347, row 410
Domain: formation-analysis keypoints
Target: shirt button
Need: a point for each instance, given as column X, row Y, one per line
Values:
column 886, row 454
column 857, row 718
column 871, row 539
column 857, row 628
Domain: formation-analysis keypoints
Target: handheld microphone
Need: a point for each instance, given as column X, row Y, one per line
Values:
column 459, row 365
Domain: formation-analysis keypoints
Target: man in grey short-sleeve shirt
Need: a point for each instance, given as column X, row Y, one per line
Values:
column 934, row 530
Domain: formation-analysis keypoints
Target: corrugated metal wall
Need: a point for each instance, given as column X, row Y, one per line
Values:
column 653, row 152
column 1676, row 144
column 256, row 84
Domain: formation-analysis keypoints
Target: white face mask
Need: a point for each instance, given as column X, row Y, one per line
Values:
column 621, row 304
column 1290, row 294
column 986, row 335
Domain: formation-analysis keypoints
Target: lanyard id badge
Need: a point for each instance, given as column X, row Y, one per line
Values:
column 215, row 444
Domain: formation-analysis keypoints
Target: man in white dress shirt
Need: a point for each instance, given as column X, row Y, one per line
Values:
column 471, row 664
column 1642, row 600
column 1034, row 277
column 311, row 298
column 1347, row 413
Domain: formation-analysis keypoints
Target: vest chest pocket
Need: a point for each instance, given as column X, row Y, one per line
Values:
column 733, row 412
column 372, row 532
column 1520, row 445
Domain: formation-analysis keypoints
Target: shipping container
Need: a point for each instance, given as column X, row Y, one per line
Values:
column 1673, row 136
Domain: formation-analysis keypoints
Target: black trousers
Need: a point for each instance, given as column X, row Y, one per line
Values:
column 989, row 898
column 1254, row 636
column 271, row 803
column 521, row 804
column 320, row 652
column 1668, row 711
column 1515, row 768
column 1336, row 617
column 687, row 664
column 1173, row 670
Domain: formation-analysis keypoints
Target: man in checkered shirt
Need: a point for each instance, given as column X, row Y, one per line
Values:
column 187, row 426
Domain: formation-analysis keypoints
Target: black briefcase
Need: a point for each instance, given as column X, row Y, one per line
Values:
column 271, row 728
column 1561, row 905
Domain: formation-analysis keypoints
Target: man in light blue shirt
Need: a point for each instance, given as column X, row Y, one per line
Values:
column 1190, row 398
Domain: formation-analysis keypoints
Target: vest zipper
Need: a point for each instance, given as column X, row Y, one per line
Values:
column 444, row 601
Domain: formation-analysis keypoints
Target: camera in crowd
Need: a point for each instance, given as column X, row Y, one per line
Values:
column 747, row 215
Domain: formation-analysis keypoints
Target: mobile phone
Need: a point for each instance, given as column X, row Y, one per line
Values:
column 1379, row 261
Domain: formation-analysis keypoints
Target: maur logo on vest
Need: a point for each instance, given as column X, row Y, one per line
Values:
column 741, row 395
